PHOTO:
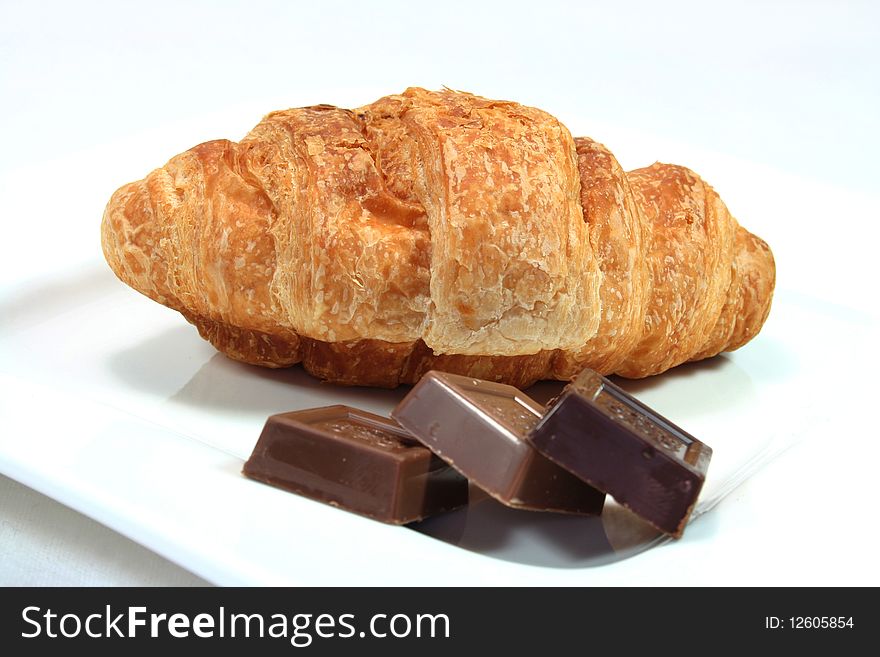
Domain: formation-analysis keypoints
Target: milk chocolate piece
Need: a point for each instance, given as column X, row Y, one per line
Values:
column 479, row 428
column 357, row 461
column 607, row 437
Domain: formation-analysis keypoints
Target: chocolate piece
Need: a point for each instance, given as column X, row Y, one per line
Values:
column 357, row 461
column 610, row 439
column 479, row 428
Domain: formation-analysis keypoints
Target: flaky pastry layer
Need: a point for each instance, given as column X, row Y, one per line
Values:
column 439, row 230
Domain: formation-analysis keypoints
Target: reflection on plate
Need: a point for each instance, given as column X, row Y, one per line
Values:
column 554, row 540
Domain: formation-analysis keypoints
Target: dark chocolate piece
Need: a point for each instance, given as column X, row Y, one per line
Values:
column 610, row 439
column 357, row 461
column 479, row 428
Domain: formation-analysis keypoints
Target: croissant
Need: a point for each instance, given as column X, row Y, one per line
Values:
column 438, row 230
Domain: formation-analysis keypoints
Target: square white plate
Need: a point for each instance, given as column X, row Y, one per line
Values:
column 114, row 406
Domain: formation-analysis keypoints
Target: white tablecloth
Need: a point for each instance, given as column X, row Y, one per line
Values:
column 44, row 543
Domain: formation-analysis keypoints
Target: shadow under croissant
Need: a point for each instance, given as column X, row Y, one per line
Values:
column 679, row 372
column 158, row 365
column 694, row 389
column 218, row 383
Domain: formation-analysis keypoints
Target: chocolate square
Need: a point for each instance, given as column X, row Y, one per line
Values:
column 608, row 438
column 357, row 461
column 479, row 428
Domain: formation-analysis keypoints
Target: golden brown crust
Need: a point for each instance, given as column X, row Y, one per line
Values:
column 756, row 271
column 689, row 258
column 366, row 362
column 511, row 270
column 618, row 237
column 248, row 346
column 438, row 230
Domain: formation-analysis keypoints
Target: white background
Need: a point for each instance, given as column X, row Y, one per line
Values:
column 787, row 90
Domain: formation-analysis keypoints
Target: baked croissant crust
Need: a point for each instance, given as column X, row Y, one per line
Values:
column 439, row 230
